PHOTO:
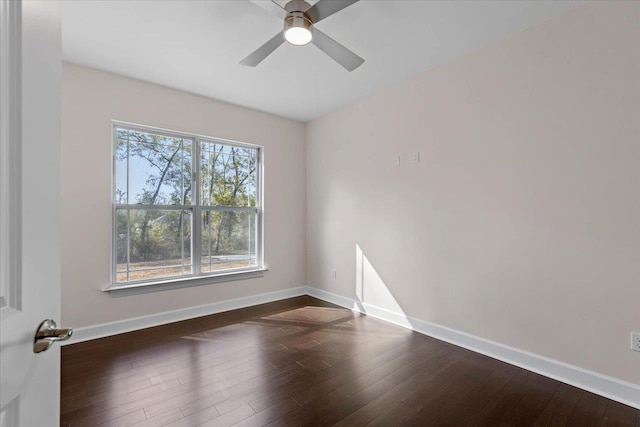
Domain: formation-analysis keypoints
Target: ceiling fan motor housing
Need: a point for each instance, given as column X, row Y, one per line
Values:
column 297, row 20
column 297, row 6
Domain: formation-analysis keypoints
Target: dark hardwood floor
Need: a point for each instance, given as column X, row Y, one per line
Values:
column 305, row 362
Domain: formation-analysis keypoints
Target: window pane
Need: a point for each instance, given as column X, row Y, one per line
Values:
column 228, row 175
column 159, row 244
column 122, row 133
column 159, row 168
column 121, row 172
column 121, row 243
column 228, row 240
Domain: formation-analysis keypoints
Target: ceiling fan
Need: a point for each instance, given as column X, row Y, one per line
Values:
column 299, row 29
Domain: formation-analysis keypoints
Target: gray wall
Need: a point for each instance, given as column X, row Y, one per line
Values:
column 90, row 100
column 521, row 222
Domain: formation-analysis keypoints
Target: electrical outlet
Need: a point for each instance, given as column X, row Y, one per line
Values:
column 396, row 160
column 635, row 341
column 333, row 273
column 416, row 157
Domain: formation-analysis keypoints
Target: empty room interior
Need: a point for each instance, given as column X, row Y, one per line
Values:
column 321, row 212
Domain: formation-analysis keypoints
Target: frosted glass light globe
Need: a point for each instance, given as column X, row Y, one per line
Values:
column 298, row 36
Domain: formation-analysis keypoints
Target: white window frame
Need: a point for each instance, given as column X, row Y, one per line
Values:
column 196, row 209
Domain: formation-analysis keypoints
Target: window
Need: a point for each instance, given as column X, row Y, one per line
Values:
column 183, row 206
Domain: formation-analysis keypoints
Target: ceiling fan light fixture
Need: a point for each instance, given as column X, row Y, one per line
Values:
column 297, row 29
column 298, row 36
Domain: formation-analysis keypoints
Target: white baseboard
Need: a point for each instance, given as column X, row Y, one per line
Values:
column 609, row 387
column 133, row 324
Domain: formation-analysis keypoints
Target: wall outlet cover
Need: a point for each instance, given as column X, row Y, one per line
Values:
column 635, row 341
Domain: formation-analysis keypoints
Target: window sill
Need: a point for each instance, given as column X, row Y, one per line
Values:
column 186, row 282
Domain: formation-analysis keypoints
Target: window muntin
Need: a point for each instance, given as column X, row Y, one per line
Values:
column 171, row 220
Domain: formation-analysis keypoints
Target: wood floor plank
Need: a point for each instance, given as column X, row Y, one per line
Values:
column 560, row 407
column 125, row 420
column 619, row 415
column 305, row 362
column 231, row 418
column 472, row 401
column 504, row 401
column 527, row 411
column 458, row 400
column 589, row 410
column 162, row 419
column 349, row 381
column 440, row 383
column 399, row 415
column 393, row 397
column 264, row 417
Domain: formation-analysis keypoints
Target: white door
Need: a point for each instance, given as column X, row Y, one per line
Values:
column 30, row 161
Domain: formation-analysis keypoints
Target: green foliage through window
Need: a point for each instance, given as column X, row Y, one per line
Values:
column 156, row 203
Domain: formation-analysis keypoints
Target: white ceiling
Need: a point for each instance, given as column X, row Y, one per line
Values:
column 195, row 46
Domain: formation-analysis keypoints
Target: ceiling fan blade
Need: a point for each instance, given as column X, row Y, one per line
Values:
column 271, row 6
column 335, row 50
column 263, row 51
column 324, row 8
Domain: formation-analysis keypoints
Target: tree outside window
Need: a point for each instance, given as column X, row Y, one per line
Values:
column 171, row 219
